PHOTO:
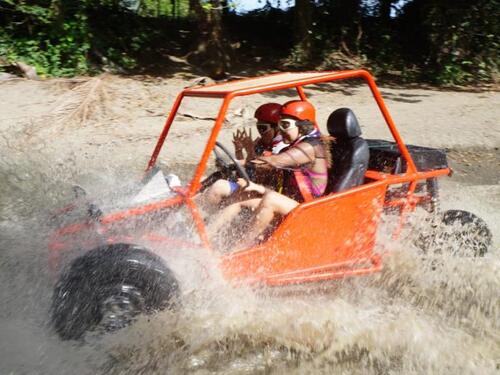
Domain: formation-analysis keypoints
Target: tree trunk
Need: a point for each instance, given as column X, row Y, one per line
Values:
column 174, row 9
column 303, row 25
column 385, row 7
column 212, row 52
column 350, row 25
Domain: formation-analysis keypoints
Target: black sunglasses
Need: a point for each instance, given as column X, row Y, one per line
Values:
column 263, row 127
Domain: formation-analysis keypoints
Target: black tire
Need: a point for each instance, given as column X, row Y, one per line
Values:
column 122, row 275
column 469, row 230
column 458, row 232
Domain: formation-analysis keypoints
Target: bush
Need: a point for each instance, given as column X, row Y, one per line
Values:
column 53, row 45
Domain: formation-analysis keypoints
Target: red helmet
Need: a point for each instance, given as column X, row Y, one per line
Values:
column 269, row 112
column 299, row 109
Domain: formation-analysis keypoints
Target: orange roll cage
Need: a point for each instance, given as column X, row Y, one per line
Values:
column 326, row 238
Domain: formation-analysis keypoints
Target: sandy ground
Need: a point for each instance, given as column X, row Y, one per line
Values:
column 395, row 317
column 134, row 110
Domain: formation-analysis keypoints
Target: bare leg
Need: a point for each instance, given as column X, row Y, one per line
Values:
column 229, row 213
column 272, row 203
column 217, row 192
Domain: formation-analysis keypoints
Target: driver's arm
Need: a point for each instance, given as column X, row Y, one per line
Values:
column 239, row 156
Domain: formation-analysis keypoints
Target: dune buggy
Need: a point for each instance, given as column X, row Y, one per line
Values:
column 113, row 266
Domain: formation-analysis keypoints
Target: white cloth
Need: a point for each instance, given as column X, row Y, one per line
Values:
column 278, row 144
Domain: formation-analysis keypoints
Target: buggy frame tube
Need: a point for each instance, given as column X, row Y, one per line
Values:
column 302, row 94
column 198, row 221
column 195, row 183
column 164, row 133
column 388, row 119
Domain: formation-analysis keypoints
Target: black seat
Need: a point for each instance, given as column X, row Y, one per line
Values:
column 350, row 153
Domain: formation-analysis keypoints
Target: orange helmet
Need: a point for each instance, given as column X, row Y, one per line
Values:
column 269, row 112
column 299, row 109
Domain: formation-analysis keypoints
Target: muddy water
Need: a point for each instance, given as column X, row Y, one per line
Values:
column 420, row 315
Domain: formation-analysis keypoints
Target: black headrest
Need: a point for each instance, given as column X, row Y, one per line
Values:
column 342, row 124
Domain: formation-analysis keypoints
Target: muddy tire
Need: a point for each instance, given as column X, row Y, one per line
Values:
column 459, row 233
column 108, row 287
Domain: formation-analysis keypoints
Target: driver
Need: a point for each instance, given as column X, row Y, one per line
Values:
column 306, row 161
column 269, row 142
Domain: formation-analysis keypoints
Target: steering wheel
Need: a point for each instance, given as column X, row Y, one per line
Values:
column 230, row 167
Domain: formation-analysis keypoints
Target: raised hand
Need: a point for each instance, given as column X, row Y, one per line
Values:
column 243, row 141
column 238, row 141
column 248, row 144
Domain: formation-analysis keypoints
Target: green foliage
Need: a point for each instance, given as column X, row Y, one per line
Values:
column 297, row 58
column 69, row 37
column 162, row 8
column 206, row 5
column 442, row 41
column 459, row 39
column 62, row 59
column 53, row 46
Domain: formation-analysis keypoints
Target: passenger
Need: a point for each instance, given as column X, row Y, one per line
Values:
column 306, row 160
column 269, row 142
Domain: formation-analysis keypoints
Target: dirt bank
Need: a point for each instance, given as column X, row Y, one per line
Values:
column 133, row 109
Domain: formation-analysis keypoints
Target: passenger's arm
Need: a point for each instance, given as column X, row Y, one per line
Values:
column 301, row 154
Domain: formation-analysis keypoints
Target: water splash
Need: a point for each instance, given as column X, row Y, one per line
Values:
column 421, row 314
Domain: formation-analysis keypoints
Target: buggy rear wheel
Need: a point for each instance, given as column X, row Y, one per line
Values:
column 108, row 287
column 457, row 232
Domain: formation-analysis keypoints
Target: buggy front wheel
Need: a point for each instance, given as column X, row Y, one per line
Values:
column 108, row 287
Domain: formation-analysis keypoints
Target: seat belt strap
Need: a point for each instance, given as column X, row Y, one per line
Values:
column 303, row 185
